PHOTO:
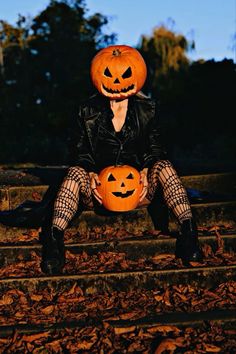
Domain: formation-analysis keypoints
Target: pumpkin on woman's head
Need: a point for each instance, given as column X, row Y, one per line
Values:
column 118, row 71
column 120, row 187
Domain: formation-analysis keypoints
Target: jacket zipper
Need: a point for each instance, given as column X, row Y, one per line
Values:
column 119, row 152
column 121, row 145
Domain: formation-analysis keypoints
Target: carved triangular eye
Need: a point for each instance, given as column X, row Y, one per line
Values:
column 107, row 72
column 111, row 178
column 130, row 176
column 127, row 73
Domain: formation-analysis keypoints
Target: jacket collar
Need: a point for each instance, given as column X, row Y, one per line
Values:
column 102, row 104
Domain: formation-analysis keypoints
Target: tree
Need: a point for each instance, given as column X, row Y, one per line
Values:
column 46, row 75
column 165, row 52
column 195, row 101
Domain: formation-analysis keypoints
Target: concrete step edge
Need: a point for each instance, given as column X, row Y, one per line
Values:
column 180, row 319
column 124, row 274
column 112, row 241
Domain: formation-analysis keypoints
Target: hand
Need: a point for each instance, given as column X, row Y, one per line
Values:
column 94, row 182
column 144, row 181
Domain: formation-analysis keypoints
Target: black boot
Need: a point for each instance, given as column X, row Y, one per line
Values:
column 53, row 251
column 187, row 244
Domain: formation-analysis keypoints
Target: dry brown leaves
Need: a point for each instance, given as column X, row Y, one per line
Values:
column 111, row 340
column 50, row 306
column 114, row 261
column 119, row 261
column 23, row 268
column 29, row 236
column 108, row 233
column 169, row 345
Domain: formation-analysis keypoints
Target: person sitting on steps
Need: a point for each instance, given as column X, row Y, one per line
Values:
column 117, row 126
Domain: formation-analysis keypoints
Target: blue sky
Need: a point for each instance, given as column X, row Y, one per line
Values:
column 211, row 23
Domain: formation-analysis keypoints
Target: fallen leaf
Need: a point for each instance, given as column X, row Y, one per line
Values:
column 15, row 292
column 4, row 340
column 167, row 344
column 122, row 330
column 35, row 297
column 158, row 257
column 19, row 314
column 72, row 290
column 48, row 310
column 36, row 196
column 128, row 315
column 136, row 347
column 6, row 300
column 166, row 297
column 182, row 297
column 209, row 348
column 158, row 297
column 30, row 347
column 207, row 250
column 220, row 243
column 163, row 329
column 33, row 337
column 55, row 346
column 85, row 345
column 195, row 264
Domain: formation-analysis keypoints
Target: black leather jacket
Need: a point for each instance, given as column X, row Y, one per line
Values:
column 96, row 145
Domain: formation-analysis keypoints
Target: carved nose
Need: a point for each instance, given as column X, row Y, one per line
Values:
column 122, row 184
column 116, row 81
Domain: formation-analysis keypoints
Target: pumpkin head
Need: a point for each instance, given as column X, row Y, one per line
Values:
column 118, row 71
column 120, row 187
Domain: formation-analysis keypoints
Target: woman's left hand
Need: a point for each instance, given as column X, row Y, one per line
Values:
column 94, row 182
column 144, row 181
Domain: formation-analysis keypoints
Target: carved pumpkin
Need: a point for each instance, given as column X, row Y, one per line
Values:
column 118, row 71
column 120, row 187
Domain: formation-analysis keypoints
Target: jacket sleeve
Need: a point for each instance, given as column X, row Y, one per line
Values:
column 80, row 149
column 154, row 149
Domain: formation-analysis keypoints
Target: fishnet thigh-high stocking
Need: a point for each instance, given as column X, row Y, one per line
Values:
column 75, row 186
column 174, row 192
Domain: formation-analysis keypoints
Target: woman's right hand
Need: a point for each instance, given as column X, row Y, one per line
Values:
column 94, row 182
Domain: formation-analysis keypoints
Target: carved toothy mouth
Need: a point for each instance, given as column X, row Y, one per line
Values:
column 124, row 90
column 123, row 195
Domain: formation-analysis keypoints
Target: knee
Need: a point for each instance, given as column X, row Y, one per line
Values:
column 159, row 165
column 76, row 173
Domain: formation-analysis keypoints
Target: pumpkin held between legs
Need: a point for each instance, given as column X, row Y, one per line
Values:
column 120, row 187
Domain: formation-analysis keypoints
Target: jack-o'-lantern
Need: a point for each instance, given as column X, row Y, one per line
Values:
column 118, row 71
column 120, row 187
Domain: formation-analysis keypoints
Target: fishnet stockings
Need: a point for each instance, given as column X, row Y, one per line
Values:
column 174, row 193
column 75, row 185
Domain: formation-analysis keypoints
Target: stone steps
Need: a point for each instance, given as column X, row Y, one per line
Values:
column 138, row 220
column 88, row 235
column 134, row 248
column 224, row 318
column 125, row 280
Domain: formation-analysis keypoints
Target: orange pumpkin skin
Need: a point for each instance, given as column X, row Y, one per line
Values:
column 120, row 187
column 118, row 71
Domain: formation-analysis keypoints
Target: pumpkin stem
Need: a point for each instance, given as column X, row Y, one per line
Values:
column 116, row 52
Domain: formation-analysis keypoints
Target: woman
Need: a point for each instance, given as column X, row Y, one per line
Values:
column 117, row 126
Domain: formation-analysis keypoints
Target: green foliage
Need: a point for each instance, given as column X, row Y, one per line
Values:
column 46, row 75
column 164, row 51
column 196, row 101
